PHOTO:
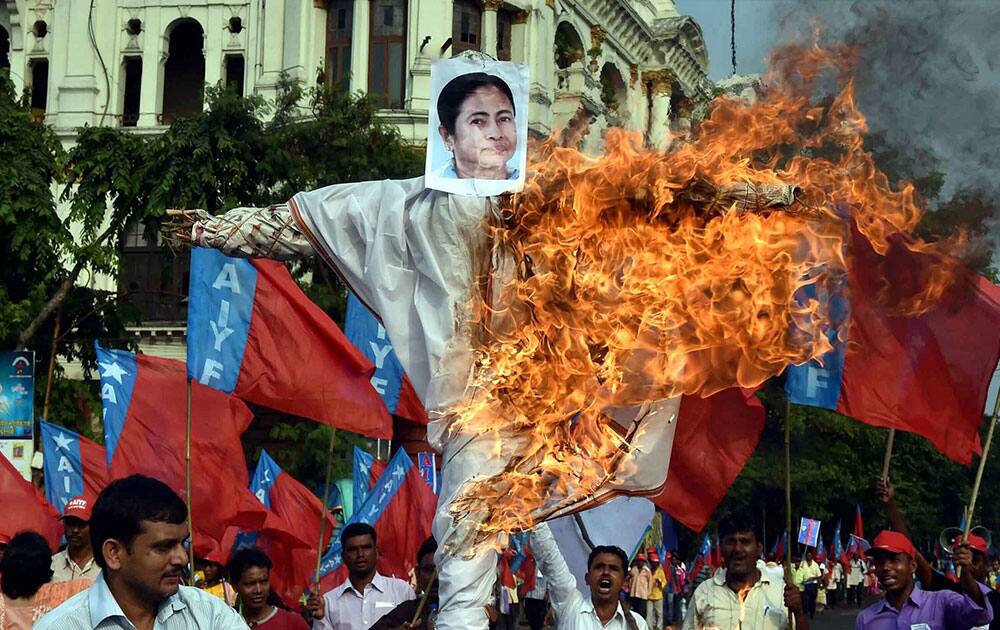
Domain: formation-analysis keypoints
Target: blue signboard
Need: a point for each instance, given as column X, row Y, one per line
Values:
column 17, row 394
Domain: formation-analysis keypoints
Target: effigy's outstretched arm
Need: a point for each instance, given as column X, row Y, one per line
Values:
column 269, row 232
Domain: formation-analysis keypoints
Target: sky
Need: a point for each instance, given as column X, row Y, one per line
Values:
column 756, row 33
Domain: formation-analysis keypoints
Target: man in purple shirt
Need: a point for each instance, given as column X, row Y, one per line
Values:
column 906, row 606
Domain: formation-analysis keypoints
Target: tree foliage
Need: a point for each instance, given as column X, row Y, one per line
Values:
column 240, row 151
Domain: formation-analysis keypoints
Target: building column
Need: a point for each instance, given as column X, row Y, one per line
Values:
column 519, row 37
column 152, row 69
column 489, row 26
column 660, row 82
column 360, row 43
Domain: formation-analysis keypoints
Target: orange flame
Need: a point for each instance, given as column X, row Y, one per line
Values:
column 642, row 275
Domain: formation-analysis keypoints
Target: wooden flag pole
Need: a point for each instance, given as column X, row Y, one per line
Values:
column 971, row 508
column 323, row 513
column 788, row 487
column 888, row 453
column 187, row 460
column 979, row 471
column 423, row 598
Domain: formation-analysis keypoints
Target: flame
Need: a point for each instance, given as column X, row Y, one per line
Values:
column 641, row 275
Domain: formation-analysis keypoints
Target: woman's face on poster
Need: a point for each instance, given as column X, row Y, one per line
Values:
column 485, row 135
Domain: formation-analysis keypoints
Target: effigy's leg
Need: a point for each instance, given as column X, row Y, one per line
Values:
column 466, row 578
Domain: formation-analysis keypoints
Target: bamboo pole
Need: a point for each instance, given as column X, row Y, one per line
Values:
column 326, row 499
column 888, row 453
column 971, row 508
column 788, row 487
column 423, row 598
column 187, row 459
column 979, row 472
column 52, row 367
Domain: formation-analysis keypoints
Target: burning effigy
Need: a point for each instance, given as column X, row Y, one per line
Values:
column 550, row 332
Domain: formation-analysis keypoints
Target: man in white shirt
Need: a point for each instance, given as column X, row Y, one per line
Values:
column 138, row 530
column 366, row 595
column 856, row 580
column 76, row 561
column 604, row 609
column 741, row 595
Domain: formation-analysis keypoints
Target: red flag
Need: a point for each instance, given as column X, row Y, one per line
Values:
column 254, row 334
column 714, row 438
column 145, row 417
column 24, row 507
column 400, row 507
column 929, row 373
column 298, row 513
column 859, row 526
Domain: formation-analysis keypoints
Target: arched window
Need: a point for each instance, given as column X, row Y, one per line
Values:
column 4, row 49
column 339, row 25
column 466, row 26
column 613, row 89
column 569, row 46
column 387, row 53
column 184, row 72
column 132, row 67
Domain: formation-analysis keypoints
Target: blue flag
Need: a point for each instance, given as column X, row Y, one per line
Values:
column 808, row 531
column 369, row 336
column 363, row 462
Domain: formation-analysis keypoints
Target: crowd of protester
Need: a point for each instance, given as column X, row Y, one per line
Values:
column 125, row 565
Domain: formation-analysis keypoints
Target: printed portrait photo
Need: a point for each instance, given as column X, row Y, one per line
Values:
column 478, row 126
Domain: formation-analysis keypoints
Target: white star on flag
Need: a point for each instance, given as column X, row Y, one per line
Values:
column 113, row 370
column 62, row 441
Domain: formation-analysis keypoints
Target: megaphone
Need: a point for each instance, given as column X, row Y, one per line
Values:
column 949, row 535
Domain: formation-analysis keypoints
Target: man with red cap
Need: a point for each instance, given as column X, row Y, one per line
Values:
column 906, row 606
column 654, row 607
column 930, row 579
column 76, row 561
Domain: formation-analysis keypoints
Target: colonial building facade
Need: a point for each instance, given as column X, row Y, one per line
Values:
column 139, row 64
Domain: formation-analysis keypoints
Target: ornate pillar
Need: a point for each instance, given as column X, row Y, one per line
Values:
column 660, row 82
column 360, row 45
column 489, row 26
column 519, row 37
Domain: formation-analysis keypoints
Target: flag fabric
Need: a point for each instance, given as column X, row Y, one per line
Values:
column 838, row 547
column 669, row 532
column 427, row 462
column 367, row 470
column 929, row 373
column 715, row 556
column 252, row 333
column 24, row 507
column 808, row 531
column 702, row 557
column 780, row 544
column 290, row 535
column 820, row 550
column 714, row 439
column 73, row 465
column 400, row 507
column 364, row 330
column 859, row 526
column 857, row 545
column 145, row 417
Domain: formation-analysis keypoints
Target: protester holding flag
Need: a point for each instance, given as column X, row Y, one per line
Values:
column 402, row 615
column 931, row 580
column 740, row 595
column 77, row 559
column 907, row 606
column 250, row 570
column 138, row 529
column 810, row 578
column 604, row 609
column 366, row 595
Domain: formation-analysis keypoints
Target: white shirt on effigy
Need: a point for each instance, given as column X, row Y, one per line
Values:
column 575, row 612
column 347, row 609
